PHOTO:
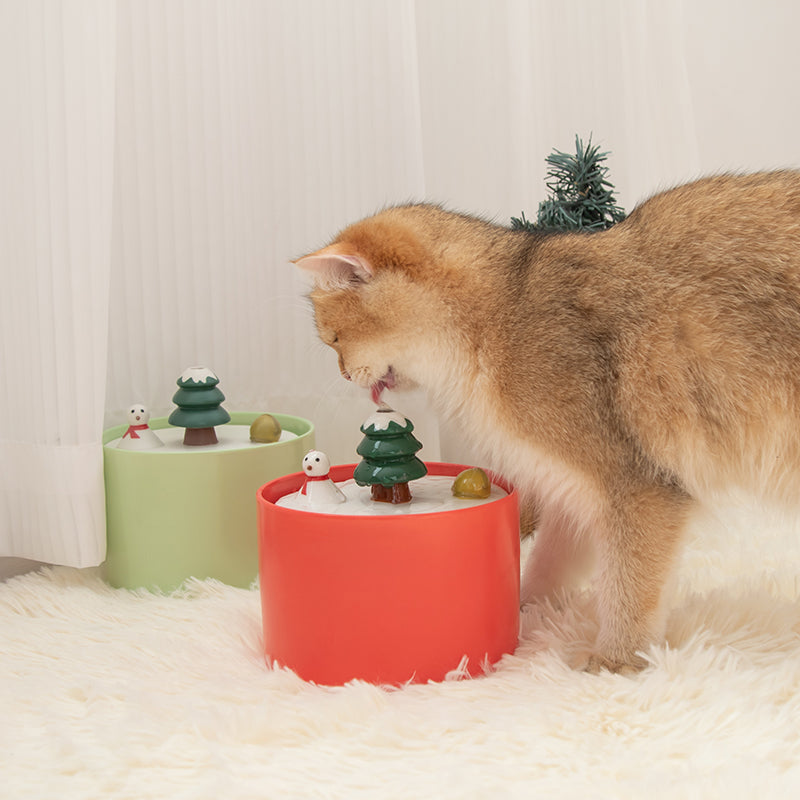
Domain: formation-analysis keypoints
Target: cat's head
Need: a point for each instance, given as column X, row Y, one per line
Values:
column 374, row 299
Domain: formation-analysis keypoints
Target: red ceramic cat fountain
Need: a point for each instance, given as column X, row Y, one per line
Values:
column 388, row 585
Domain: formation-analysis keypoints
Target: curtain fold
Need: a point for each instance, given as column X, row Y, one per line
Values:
column 162, row 163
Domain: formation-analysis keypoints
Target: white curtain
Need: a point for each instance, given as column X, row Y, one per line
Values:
column 163, row 160
column 57, row 63
column 248, row 132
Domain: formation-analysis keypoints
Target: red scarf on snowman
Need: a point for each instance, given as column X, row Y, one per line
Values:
column 303, row 490
column 131, row 432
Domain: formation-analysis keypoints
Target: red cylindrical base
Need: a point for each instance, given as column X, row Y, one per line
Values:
column 387, row 599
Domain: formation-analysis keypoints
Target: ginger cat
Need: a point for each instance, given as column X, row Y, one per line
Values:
column 615, row 378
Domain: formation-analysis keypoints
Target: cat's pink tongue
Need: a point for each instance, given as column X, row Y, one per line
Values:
column 388, row 381
column 376, row 391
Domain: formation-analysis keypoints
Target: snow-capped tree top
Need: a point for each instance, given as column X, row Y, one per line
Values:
column 382, row 418
column 198, row 375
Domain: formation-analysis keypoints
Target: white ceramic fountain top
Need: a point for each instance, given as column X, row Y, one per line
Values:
column 230, row 436
column 429, row 494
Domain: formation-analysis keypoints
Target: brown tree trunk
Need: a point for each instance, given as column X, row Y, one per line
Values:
column 398, row 493
column 199, row 436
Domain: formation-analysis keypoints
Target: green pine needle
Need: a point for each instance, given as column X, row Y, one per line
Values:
column 522, row 223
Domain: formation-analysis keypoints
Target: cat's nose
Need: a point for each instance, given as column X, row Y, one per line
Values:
column 346, row 375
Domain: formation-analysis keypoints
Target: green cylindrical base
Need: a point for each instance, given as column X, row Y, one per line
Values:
column 192, row 513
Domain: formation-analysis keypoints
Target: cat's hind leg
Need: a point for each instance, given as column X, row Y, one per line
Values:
column 639, row 537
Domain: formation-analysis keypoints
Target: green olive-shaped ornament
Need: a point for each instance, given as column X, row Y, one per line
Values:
column 265, row 429
column 472, row 483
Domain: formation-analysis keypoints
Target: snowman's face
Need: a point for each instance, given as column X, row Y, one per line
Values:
column 138, row 414
column 316, row 464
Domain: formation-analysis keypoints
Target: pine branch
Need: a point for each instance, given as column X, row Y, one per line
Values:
column 581, row 196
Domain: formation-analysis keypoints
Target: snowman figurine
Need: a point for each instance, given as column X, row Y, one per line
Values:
column 139, row 436
column 319, row 489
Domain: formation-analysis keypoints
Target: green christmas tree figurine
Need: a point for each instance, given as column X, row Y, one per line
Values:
column 199, row 406
column 388, row 457
column 581, row 197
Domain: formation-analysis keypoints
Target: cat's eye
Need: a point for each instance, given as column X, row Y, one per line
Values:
column 328, row 336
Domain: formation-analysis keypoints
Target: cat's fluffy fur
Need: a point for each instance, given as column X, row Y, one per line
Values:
column 614, row 378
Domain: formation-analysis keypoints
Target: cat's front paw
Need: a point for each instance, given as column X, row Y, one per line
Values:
column 628, row 666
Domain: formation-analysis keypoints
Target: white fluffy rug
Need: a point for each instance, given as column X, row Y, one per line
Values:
column 116, row 694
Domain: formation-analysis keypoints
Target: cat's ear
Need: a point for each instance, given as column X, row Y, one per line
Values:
column 332, row 270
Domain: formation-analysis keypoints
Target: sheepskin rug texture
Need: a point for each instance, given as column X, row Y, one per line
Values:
column 110, row 693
